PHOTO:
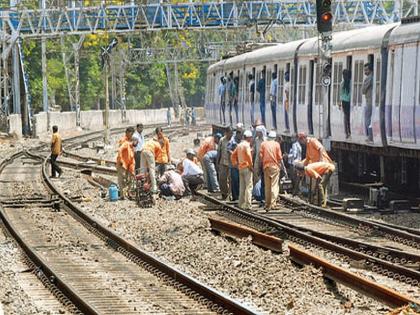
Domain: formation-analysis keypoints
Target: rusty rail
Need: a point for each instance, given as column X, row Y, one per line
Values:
column 302, row 257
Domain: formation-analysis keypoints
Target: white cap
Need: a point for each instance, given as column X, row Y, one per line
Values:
column 272, row 134
column 191, row 151
column 248, row 134
column 260, row 128
column 239, row 126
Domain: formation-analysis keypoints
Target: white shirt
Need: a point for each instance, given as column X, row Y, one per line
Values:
column 190, row 168
column 140, row 141
column 273, row 89
column 286, row 89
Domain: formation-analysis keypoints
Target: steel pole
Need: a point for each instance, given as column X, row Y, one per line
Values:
column 106, row 117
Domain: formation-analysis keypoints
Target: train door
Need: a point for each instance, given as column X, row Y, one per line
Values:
column 357, row 110
column 280, row 98
column 240, row 97
column 268, row 119
column 336, row 111
column 252, row 101
column 288, row 96
column 311, row 77
column 317, row 100
column 418, row 95
column 301, row 107
column 408, row 92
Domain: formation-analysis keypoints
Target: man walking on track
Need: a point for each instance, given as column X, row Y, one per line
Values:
column 56, row 149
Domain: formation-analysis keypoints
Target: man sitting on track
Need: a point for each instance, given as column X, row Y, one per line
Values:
column 322, row 172
column 125, row 162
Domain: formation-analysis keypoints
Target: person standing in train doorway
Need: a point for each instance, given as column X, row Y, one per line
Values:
column 273, row 98
column 251, row 88
column 261, row 91
column 230, row 89
column 222, row 95
column 367, row 92
column 345, row 100
column 286, row 99
column 236, row 97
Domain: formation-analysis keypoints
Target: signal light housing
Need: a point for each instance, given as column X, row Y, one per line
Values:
column 324, row 16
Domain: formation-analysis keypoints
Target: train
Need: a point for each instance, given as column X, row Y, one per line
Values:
column 392, row 157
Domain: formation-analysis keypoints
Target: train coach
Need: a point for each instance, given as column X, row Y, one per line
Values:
column 392, row 155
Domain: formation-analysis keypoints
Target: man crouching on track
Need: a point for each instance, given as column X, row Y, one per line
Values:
column 56, row 149
column 125, row 162
column 322, row 172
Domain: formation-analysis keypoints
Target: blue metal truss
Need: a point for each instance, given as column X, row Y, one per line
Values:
column 210, row 15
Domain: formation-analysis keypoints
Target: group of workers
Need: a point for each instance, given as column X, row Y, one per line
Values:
column 153, row 158
column 247, row 164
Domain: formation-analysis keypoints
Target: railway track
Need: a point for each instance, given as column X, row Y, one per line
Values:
column 399, row 265
column 88, row 267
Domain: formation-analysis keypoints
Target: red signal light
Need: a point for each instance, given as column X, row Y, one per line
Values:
column 326, row 17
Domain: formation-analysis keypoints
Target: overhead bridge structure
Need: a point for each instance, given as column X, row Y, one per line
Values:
column 58, row 18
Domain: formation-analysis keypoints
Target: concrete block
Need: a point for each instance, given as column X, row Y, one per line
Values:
column 398, row 205
column 40, row 124
column 91, row 119
column 352, row 203
column 15, row 125
column 64, row 120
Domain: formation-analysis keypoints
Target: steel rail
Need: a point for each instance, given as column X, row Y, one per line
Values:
column 302, row 257
column 138, row 255
column 393, row 233
column 296, row 235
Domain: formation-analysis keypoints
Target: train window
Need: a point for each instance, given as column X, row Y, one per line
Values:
column 378, row 82
column 358, row 82
column 338, row 74
column 318, row 85
column 302, row 85
column 281, row 86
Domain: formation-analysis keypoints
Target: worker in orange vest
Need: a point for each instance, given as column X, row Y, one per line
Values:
column 125, row 162
column 164, row 156
column 242, row 158
column 271, row 156
column 315, row 151
column 321, row 171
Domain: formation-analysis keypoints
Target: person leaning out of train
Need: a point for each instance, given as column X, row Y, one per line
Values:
column 164, row 156
column 321, row 172
column 273, row 98
column 315, row 151
column 125, row 162
column 261, row 92
column 242, row 158
column 271, row 158
column 367, row 89
column 345, row 90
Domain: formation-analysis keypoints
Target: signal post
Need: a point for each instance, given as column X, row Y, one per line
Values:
column 324, row 25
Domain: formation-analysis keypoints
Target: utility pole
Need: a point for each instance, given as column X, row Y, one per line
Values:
column 324, row 25
column 44, row 62
column 105, row 59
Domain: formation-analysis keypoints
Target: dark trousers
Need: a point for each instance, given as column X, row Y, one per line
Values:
column 161, row 168
column 191, row 183
column 234, row 182
column 262, row 109
column 54, row 166
column 235, row 107
column 346, row 112
column 137, row 158
column 222, row 112
column 230, row 113
column 273, row 113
